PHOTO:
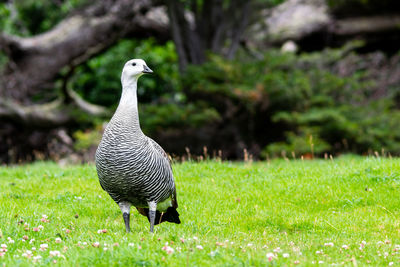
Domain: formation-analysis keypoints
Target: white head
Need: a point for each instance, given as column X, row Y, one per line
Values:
column 132, row 70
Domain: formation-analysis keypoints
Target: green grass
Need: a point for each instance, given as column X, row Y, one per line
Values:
column 236, row 212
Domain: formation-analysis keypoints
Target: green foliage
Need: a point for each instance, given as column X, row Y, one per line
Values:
column 88, row 138
column 233, row 214
column 98, row 80
column 30, row 17
column 160, row 117
column 300, row 96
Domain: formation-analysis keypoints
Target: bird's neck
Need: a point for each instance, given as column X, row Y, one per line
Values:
column 128, row 106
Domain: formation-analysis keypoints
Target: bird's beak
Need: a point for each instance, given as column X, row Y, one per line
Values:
column 146, row 69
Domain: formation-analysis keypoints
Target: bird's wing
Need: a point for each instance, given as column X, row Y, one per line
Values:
column 160, row 150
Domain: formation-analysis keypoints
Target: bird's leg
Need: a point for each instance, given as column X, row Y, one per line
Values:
column 126, row 220
column 125, row 208
column 152, row 214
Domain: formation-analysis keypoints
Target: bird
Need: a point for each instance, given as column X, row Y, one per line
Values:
column 132, row 168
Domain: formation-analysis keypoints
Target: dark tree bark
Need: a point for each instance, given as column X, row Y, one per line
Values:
column 35, row 62
column 211, row 26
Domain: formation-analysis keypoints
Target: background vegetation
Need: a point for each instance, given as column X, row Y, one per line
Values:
column 272, row 103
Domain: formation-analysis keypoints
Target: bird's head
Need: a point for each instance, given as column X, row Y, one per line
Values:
column 133, row 69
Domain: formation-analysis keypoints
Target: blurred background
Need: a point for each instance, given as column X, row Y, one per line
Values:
column 233, row 79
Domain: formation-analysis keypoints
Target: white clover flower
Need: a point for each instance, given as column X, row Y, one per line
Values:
column 58, row 240
column 285, row 255
column 329, row 244
column 43, row 247
column 200, row 247
column 55, row 253
column 271, row 256
column 168, row 249
column 37, row 258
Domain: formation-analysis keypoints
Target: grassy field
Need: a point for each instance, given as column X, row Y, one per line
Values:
column 285, row 213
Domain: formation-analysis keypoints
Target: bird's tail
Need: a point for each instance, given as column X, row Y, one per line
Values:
column 171, row 215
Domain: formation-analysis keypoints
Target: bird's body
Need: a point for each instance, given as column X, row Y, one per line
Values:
column 132, row 168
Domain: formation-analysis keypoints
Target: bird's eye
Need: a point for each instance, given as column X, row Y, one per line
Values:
column 133, row 64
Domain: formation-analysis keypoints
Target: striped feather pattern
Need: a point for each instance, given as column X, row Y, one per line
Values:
column 131, row 166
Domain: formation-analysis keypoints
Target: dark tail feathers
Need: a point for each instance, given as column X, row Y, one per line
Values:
column 171, row 215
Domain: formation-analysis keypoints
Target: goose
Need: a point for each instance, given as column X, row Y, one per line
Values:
column 132, row 168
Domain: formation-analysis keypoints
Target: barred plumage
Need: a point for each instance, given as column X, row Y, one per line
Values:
column 132, row 168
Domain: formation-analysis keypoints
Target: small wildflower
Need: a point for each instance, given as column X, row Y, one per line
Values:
column 131, row 245
column 345, row 247
column 40, row 227
column 43, row 247
column 35, row 229
column 44, row 218
column 195, row 238
column 168, row 249
column 296, row 262
column 387, row 241
column 386, row 254
column 2, row 254
column 31, row 241
column 379, row 243
column 330, row 244
column 320, row 262
column 270, row 256
column 3, row 246
column 249, row 244
column 105, row 248
column 285, row 255
column 55, row 253
column 37, row 258
column 277, row 250
column 182, row 240
column 84, row 243
column 27, row 254
column 25, row 237
column 96, row 244
column 200, row 247
column 319, row 252
column 33, row 248
column 58, row 240
column 67, row 231
column 391, row 263
column 116, row 244
column 219, row 244
column 10, row 240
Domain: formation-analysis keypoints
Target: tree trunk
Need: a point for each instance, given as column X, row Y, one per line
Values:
column 207, row 27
